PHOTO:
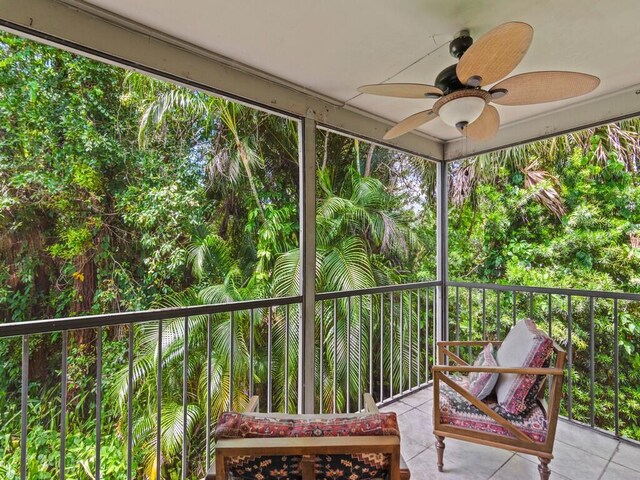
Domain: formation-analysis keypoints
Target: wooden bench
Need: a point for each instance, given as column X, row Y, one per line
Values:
column 309, row 447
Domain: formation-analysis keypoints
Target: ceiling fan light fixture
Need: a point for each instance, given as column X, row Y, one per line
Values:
column 462, row 110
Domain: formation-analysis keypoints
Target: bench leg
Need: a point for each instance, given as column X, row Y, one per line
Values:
column 440, row 451
column 543, row 468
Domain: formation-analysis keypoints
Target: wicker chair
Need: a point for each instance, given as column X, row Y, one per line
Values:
column 509, row 433
column 308, row 448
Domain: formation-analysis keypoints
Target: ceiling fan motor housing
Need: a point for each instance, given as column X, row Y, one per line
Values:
column 460, row 44
column 447, row 80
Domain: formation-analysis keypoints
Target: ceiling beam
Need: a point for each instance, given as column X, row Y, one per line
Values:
column 80, row 28
column 599, row 111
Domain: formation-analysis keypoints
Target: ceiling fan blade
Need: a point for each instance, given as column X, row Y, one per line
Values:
column 542, row 87
column 486, row 126
column 409, row 123
column 494, row 55
column 403, row 90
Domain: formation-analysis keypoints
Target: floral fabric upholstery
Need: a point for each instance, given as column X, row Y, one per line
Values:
column 524, row 346
column 458, row 412
column 481, row 383
column 251, row 425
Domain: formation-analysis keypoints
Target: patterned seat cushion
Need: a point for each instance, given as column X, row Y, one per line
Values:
column 255, row 425
column 458, row 412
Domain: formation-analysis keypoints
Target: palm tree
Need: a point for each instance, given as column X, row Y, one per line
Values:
column 360, row 235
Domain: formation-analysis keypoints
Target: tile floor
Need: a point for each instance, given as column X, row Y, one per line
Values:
column 580, row 454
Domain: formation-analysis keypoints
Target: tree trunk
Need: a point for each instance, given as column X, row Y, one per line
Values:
column 367, row 166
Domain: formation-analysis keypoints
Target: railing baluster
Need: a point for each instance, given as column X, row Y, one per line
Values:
column 592, row 371
column 457, row 319
column 484, row 314
column 498, row 333
column 251, row 351
column 410, row 328
column 98, row 400
column 391, row 346
column 549, row 313
column 616, row 377
column 321, row 355
column 269, row 360
column 63, row 404
column 159, row 400
column 371, row 344
column 426, row 334
column 419, row 352
column 513, row 313
column 470, row 335
column 569, row 361
column 531, row 305
column 232, row 335
column 335, row 354
column 434, row 328
column 348, row 356
column 360, row 353
column 208, row 426
column 401, row 346
column 381, row 347
column 286, row 359
column 24, row 398
column 185, row 377
column 130, row 405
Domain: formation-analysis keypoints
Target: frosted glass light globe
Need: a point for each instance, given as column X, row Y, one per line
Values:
column 463, row 109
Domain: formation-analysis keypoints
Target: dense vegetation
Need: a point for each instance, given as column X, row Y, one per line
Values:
column 121, row 193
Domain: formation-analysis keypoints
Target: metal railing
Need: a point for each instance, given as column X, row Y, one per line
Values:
column 173, row 338
column 594, row 327
column 378, row 340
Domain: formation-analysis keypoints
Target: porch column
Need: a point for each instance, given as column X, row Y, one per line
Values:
column 306, row 350
column 442, row 246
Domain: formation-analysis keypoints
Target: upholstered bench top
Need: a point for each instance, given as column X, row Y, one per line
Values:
column 255, row 425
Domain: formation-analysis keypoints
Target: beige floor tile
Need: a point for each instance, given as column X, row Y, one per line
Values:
column 585, row 439
column 462, row 460
column 618, row 472
column 628, row 456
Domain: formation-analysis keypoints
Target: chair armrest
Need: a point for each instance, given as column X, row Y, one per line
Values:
column 517, row 370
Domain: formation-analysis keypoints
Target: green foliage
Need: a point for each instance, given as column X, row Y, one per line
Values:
column 119, row 193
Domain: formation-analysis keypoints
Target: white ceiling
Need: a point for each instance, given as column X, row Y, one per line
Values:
column 333, row 46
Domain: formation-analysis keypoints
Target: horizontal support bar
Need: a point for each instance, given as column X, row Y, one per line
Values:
column 375, row 290
column 92, row 321
column 554, row 291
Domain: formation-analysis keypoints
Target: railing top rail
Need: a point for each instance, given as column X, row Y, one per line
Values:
column 375, row 290
column 552, row 290
column 92, row 321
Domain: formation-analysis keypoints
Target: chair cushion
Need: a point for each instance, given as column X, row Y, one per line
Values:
column 458, row 412
column 524, row 346
column 256, row 425
column 481, row 383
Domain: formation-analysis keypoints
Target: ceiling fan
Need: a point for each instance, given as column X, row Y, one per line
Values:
column 460, row 100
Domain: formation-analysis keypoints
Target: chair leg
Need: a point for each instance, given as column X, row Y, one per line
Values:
column 543, row 468
column 440, row 451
